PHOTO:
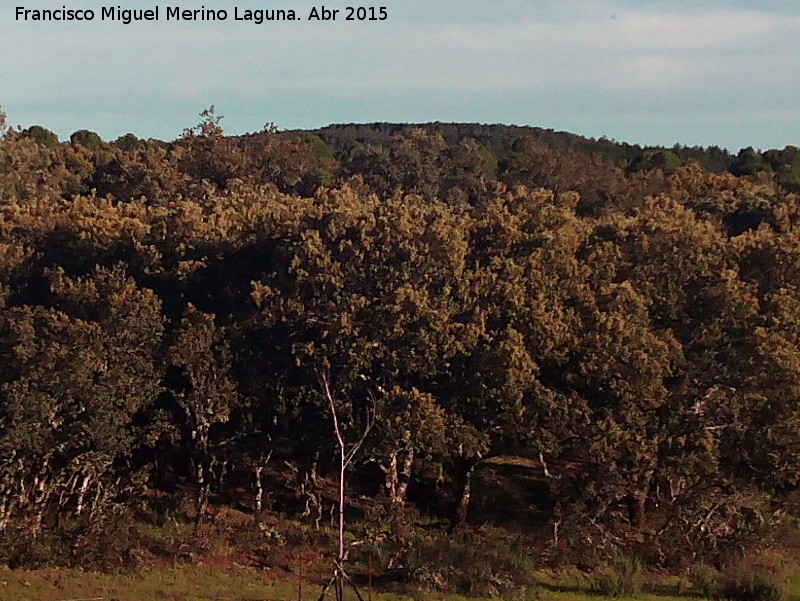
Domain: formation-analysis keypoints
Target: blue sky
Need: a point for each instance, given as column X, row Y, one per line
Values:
column 714, row 72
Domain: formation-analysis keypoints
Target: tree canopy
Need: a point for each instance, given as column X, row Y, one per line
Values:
column 625, row 318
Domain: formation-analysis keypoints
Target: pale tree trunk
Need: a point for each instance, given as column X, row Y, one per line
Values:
column 342, row 474
column 202, row 474
column 66, row 492
column 40, row 492
column 310, row 488
column 5, row 511
column 347, row 451
column 397, row 477
column 637, row 502
column 8, row 486
column 222, row 469
column 10, row 493
column 87, row 479
column 440, row 476
column 465, row 468
column 203, row 490
column 306, row 481
column 99, row 498
column 408, row 464
column 259, row 497
column 258, row 471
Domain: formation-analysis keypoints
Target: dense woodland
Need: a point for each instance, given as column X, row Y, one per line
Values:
column 622, row 324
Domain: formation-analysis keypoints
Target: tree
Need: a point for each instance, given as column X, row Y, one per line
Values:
column 87, row 139
column 127, row 142
column 665, row 160
column 786, row 165
column 410, row 424
column 40, row 135
column 346, row 450
column 203, row 390
column 749, row 162
column 376, row 289
column 75, row 379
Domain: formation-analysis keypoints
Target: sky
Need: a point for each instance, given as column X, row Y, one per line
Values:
column 723, row 73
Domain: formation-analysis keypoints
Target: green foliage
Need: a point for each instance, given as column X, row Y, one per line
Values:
column 87, row 139
column 622, row 578
column 741, row 580
column 664, row 160
column 749, row 586
column 40, row 135
column 749, row 162
column 705, row 579
column 19, row 551
column 127, row 142
column 75, row 379
column 460, row 565
column 786, row 165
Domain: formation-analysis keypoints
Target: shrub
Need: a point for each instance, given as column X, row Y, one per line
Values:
column 464, row 564
column 749, row 586
column 20, row 550
column 705, row 579
column 622, row 578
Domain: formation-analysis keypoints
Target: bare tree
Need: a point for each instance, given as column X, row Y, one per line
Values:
column 346, row 452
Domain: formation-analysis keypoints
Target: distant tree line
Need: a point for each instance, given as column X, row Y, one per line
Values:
column 628, row 319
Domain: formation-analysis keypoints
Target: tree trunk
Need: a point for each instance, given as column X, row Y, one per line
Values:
column 82, row 494
column 258, row 472
column 465, row 468
column 398, row 476
column 203, row 472
column 309, row 488
column 259, row 490
column 637, row 502
column 203, row 490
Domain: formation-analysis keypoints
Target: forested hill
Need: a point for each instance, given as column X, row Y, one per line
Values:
column 495, row 137
column 502, row 140
column 177, row 320
column 507, row 142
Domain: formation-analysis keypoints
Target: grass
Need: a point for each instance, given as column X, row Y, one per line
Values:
column 209, row 583
column 220, row 575
column 190, row 583
column 793, row 590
